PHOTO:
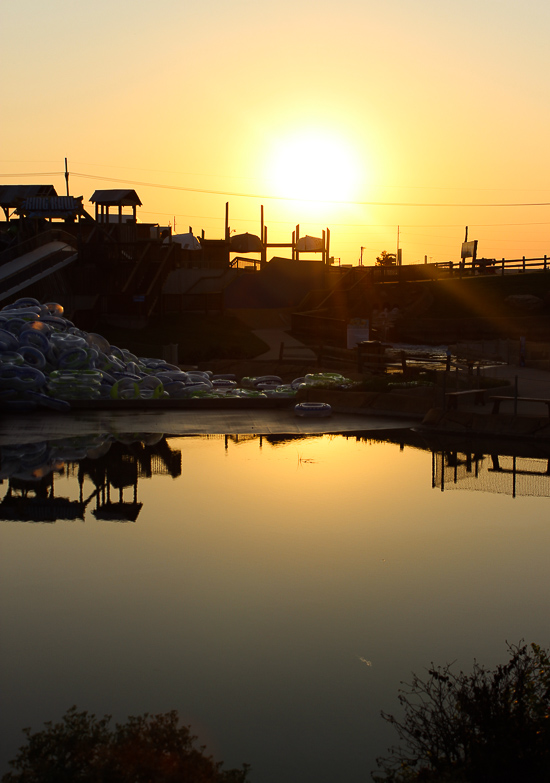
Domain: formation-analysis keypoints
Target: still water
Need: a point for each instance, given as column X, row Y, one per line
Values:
column 274, row 591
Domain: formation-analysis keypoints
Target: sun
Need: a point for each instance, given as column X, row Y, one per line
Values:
column 314, row 165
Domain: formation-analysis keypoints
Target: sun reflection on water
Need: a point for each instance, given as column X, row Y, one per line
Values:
column 256, row 571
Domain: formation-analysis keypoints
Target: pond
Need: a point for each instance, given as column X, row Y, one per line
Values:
column 274, row 590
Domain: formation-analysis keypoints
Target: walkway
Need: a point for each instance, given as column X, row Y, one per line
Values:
column 530, row 383
column 292, row 348
column 272, row 325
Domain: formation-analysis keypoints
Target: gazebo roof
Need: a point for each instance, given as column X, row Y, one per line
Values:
column 12, row 196
column 51, row 207
column 116, row 198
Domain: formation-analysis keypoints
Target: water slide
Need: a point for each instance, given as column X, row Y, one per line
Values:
column 23, row 270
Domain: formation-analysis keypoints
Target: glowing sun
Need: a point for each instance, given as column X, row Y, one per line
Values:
column 314, row 165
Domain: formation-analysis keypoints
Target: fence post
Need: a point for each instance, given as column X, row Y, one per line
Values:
column 502, row 272
column 524, row 263
column 545, row 262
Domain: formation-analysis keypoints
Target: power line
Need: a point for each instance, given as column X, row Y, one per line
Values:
column 290, row 198
column 36, row 174
column 261, row 196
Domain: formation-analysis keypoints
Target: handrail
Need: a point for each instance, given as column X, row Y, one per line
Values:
column 137, row 267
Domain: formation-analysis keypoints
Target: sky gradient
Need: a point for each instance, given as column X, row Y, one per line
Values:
column 410, row 114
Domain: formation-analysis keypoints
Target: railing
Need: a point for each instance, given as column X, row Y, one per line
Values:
column 137, row 270
column 491, row 266
column 446, row 269
column 523, row 264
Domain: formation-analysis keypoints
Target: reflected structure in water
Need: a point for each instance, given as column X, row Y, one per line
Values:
column 32, row 470
column 498, row 471
column 35, row 500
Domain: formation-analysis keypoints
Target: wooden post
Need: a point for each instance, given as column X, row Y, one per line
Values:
column 262, row 227
column 227, row 221
column 297, row 240
column 293, row 245
column 328, row 246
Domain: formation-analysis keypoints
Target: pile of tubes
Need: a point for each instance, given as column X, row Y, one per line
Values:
column 46, row 361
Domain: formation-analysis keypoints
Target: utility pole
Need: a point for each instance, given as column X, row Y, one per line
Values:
column 397, row 253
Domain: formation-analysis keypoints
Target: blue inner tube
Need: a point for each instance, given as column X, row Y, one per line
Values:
column 313, row 409
column 33, row 356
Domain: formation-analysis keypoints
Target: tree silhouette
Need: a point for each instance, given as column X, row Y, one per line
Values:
column 145, row 749
column 483, row 727
column 385, row 259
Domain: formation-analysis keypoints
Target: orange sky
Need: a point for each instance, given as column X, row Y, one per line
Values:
column 381, row 106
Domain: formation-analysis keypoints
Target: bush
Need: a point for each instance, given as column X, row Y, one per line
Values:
column 145, row 749
column 486, row 726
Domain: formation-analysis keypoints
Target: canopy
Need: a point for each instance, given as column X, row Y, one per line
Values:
column 246, row 243
column 187, row 241
column 309, row 244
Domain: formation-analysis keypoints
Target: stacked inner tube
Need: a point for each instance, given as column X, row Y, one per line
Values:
column 46, row 361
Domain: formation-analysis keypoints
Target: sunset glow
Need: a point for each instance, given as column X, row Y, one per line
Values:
column 315, row 166
column 415, row 115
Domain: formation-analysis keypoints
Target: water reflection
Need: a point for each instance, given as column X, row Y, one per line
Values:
column 261, row 577
column 108, row 464
column 502, row 469
column 107, row 470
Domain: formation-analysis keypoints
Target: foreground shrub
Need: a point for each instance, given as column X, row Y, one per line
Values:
column 145, row 749
column 486, row 726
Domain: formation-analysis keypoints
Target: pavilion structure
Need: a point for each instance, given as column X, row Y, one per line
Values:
column 105, row 200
